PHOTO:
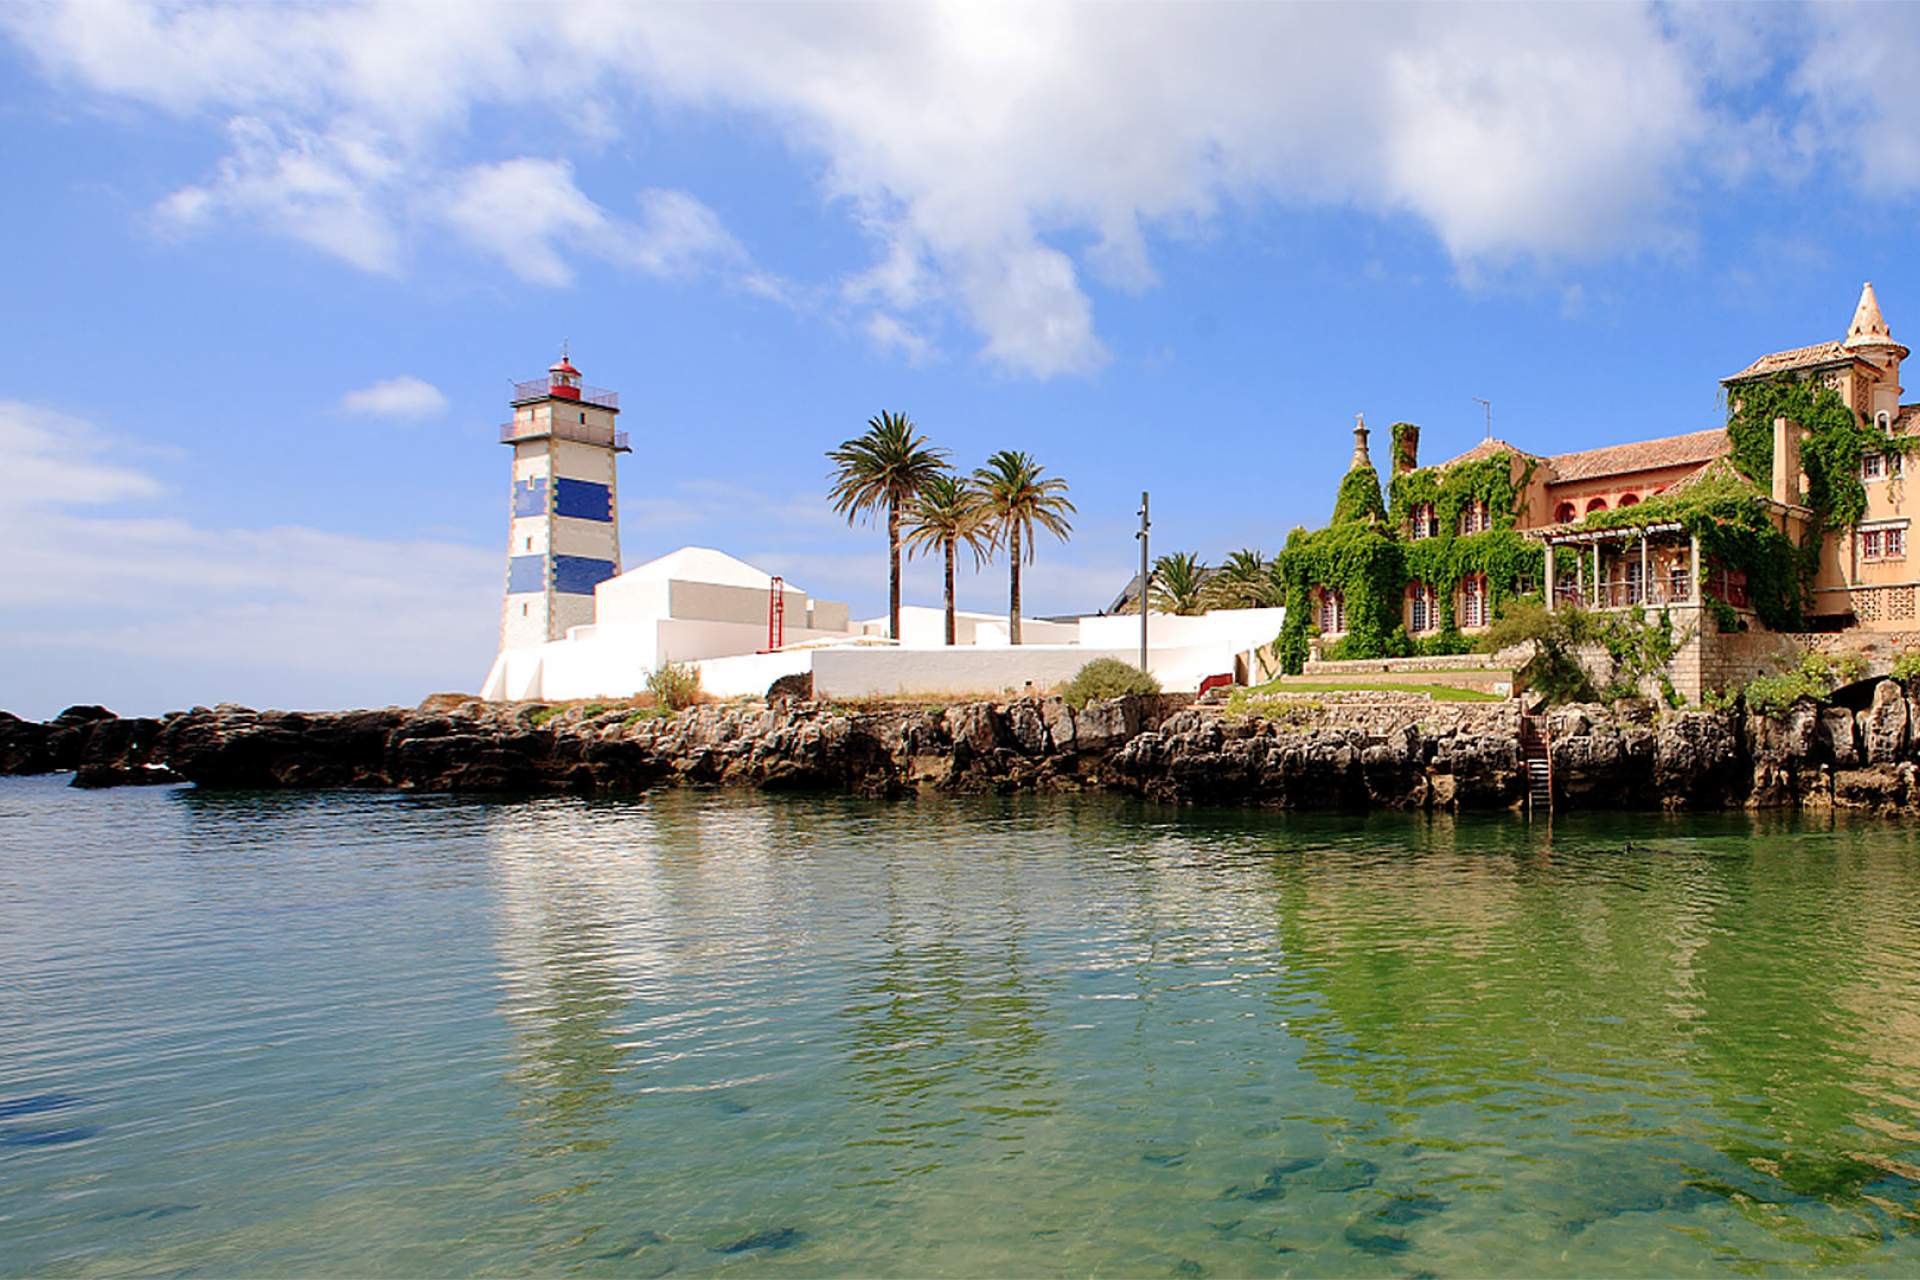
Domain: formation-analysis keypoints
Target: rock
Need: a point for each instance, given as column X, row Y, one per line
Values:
column 1839, row 737
column 23, row 746
column 1059, row 720
column 1027, row 727
column 1884, row 724
column 1100, row 725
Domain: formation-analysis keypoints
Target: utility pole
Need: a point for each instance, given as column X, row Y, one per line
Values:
column 1145, row 576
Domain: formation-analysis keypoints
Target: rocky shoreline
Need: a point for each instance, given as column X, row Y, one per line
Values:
column 1400, row 754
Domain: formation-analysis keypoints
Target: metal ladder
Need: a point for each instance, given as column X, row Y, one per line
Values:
column 1536, row 755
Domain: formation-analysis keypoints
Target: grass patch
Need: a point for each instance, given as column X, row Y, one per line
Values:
column 1307, row 688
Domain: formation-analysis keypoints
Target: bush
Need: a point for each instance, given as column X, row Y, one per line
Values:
column 1107, row 678
column 1814, row 680
column 675, row 685
column 1906, row 667
column 1553, row 671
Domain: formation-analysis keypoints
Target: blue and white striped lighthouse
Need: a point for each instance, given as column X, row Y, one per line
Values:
column 565, row 522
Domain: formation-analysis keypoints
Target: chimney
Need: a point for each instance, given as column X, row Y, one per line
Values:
column 1360, row 455
column 1406, row 448
column 1786, row 461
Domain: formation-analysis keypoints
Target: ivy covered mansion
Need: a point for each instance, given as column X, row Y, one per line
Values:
column 1791, row 520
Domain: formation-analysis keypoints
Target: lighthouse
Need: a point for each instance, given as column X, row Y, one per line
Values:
column 564, row 526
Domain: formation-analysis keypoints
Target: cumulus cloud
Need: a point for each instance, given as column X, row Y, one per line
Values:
column 403, row 397
column 998, row 156
column 531, row 215
column 326, row 191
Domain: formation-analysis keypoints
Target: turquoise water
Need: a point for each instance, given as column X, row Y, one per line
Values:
column 700, row 1033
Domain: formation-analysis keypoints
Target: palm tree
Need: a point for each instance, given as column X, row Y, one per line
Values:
column 885, row 467
column 1016, row 498
column 947, row 514
column 1244, row 581
column 1179, row 584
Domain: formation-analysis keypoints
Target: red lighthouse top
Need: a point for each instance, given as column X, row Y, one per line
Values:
column 563, row 383
column 563, row 380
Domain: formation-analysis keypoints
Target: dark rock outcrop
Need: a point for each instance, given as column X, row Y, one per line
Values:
column 1391, row 753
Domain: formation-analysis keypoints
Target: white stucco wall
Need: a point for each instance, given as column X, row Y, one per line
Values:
column 880, row 672
column 1237, row 629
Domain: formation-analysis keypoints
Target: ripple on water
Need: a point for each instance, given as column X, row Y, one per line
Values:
column 328, row 1034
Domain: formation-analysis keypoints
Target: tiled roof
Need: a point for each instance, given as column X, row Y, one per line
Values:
column 1485, row 449
column 1642, row 455
column 1720, row 468
column 1798, row 358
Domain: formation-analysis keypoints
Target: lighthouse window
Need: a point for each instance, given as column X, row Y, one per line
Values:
column 523, row 610
column 529, row 544
column 583, row 415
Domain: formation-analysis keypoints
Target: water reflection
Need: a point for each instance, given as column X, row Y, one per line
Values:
column 1007, row 1035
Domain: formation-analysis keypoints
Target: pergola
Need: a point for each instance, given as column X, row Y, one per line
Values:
column 1581, row 539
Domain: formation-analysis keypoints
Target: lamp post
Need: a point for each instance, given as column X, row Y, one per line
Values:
column 1145, row 577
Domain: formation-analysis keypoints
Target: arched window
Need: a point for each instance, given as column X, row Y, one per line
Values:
column 1421, row 614
column 1598, row 504
column 1565, row 513
column 1422, row 523
column 1629, row 499
column 1473, row 517
column 1473, row 601
column 1333, row 612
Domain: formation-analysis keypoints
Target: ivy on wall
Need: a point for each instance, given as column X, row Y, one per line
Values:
column 1371, row 561
column 1360, row 561
column 1359, row 497
column 1737, row 532
column 1830, row 452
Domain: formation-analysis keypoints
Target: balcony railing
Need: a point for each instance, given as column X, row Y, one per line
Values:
column 541, row 388
column 583, row 432
column 1673, row 588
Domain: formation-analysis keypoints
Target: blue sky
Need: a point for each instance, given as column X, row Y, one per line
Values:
column 274, row 268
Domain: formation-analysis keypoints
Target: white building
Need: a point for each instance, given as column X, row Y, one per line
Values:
column 687, row 606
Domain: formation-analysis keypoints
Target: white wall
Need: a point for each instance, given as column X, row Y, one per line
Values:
column 751, row 674
column 1237, row 629
column 866, row 672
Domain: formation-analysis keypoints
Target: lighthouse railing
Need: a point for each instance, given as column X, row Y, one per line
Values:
column 541, row 388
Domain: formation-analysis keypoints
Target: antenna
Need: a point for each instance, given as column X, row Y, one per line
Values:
column 1488, row 406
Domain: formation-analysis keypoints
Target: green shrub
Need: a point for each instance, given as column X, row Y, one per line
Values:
column 1906, row 667
column 1107, row 678
column 1814, row 680
column 675, row 685
column 541, row 715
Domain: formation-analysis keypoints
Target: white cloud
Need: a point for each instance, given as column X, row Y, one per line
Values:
column 889, row 333
column 154, row 611
column 53, row 461
column 529, row 214
column 996, row 152
column 326, row 191
column 403, row 397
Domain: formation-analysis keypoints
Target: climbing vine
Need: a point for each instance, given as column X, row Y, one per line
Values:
column 1362, row 563
column 1359, row 497
column 1830, row 452
column 1737, row 532
column 1372, row 562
